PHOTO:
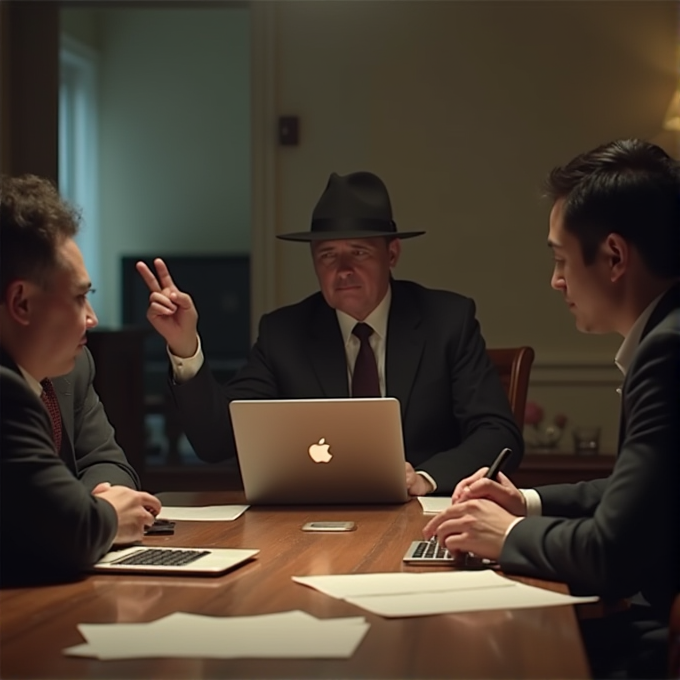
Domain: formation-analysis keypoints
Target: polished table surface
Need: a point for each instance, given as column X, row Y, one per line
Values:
column 36, row 624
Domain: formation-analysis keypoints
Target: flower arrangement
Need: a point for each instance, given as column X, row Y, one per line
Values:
column 547, row 436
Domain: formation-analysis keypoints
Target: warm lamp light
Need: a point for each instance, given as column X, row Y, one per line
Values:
column 672, row 119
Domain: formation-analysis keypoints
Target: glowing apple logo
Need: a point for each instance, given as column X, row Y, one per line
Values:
column 319, row 452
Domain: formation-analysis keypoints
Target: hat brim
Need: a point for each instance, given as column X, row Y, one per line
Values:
column 344, row 235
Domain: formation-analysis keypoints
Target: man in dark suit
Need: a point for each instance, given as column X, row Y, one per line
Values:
column 88, row 445
column 615, row 235
column 51, row 523
column 422, row 346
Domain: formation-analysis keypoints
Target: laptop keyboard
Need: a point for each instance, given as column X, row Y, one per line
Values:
column 429, row 552
column 162, row 558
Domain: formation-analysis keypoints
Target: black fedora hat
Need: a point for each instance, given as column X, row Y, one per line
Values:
column 352, row 206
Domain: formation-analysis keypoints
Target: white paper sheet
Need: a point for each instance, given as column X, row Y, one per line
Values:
column 358, row 585
column 451, row 602
column 421, row 594
column 432, row 505
column 205, row 513
column 293, row 634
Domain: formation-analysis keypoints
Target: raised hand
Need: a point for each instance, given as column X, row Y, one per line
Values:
column 171, row 312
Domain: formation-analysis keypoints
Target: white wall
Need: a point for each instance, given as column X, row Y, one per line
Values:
column 462, row 108
column 175, row 136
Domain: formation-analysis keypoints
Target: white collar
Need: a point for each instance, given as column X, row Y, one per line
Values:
column 624, row 356
column 377, row 319
column 32, row 382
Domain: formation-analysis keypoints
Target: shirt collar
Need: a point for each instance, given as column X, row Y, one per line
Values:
column 624, row 356
column 377, row 319
column 32, row 382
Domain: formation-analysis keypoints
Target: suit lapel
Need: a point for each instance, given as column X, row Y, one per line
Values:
column 327, row 352
column 405, row 344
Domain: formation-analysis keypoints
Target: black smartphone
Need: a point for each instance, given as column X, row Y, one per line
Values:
column 160, row 526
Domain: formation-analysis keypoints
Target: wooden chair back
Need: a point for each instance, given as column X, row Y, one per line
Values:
column 514, row 367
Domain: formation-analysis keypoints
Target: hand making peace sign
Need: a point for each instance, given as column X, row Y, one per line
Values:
column 171, row 312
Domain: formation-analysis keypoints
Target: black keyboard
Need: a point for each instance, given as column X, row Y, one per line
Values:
column 162, row 558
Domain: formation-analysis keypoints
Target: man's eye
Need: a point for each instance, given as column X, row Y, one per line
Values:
column 83, row 296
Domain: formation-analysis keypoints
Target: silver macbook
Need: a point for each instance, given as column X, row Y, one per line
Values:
column 175, row 561
column 320, row 451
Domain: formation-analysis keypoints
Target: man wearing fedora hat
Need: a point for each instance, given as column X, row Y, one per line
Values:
column 364, row 334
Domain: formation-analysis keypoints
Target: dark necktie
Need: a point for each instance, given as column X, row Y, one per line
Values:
column 49, row 398
column 365, row 381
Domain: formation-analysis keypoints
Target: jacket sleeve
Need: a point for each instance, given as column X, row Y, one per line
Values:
column 480, row 409
column 203, row 404
column 98, row 456
column 48, row 518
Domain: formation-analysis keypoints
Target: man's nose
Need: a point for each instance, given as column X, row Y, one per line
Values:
column 92, row 319
column 557, row 282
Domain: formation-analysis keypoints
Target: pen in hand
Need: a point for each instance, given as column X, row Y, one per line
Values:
column 497, row 464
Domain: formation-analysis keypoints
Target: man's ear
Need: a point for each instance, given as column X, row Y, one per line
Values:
column 394, row 251
column 617, row 252
column 18, row 301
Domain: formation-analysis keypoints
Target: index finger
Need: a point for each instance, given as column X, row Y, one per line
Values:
column 464, row 483
column 163, row 274
column 430, row 529
column 151, row 503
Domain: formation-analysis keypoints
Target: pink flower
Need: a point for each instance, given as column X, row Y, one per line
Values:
column 533, row 414
column 560, row 420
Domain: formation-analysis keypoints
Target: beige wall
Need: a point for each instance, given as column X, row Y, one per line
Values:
column 462, row 107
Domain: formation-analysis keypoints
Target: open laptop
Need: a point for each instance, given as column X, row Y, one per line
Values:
column 150, row 559
column 320, row 451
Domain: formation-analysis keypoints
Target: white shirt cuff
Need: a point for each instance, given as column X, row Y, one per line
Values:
column 185, row 369
column 422, row 473
column 533, row 501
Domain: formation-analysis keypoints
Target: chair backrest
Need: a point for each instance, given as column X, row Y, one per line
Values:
column 674, row 640
column 514, row 366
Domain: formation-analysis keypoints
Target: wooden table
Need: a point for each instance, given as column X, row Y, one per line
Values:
column 36, row 624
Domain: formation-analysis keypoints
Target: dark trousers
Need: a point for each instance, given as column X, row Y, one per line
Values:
column 627, row 645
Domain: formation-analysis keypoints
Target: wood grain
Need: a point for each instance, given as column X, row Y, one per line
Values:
column 36, row 624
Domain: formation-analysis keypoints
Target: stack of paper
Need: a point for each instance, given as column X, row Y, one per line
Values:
column 293, row 634
column 420, row 594
column 433, row 505
column 205, row 513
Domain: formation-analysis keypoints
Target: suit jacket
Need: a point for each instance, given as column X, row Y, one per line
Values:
column 51, row 526
column 618, row 536
column 88, row 445
column 455, row 413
